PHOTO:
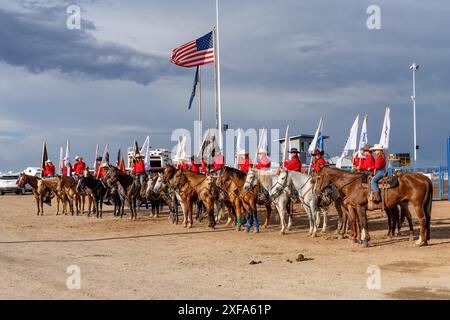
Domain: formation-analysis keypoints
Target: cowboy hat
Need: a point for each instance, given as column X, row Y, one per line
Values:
column 138, row 155
column 242, row 152
column 294, row 150
column 367, row 147
column 377, row 147
column 262, row 150
column 317, row 152
column 99, row 158
column 78, row 158
column 48, row 161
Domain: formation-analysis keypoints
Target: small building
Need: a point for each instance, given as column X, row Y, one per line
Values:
column 302, row 143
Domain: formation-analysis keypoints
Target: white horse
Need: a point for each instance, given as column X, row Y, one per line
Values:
column 267, row 181
column 308, row 197
column 158, row 187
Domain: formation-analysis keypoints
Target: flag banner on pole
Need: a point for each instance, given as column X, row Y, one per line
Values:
column 67, row 158
column 385, row 131
column 145, row 151
column 240, row 147
column 44, row 157
column 136, row 147
column 351, row 142
column 61, row 158
column 119, row 157
column 195, row 53
column 363, row 140
column 318, row 139
column 95, row 159
column 194, row 88
column 122, row 164
column 287, row 146
column 105, row 158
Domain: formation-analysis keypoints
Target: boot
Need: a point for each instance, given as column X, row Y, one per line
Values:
column 376, row 197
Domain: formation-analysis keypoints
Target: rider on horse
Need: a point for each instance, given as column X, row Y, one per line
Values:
column 294, row 164
column 79, row 166
column 379, row 170
column 218, row 162
column 366, row 163
column 49, row 169
column 319, row 161
column 246, row 164
column 195, row 167
column 204, row 166
column 99, row 169
column 139, row 168
column 65, row 171
column 264, row 161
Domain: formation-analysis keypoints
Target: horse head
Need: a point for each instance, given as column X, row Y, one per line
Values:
column 22, row 180
column 251, row 179
column 281, row 183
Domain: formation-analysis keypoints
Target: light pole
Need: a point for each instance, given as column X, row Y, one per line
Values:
column 414, row 67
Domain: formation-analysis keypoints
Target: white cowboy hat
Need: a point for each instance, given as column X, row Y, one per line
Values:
column 242, row 152
column 48, row 161
column 78, row 158
column 262, row 150
column 377, row 147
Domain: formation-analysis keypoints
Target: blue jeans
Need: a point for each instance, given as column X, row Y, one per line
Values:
column 374, row 183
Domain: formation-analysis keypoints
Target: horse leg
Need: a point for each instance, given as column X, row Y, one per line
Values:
column 422, row 241
column 190, row 214
column 254, row 210
column 405, row 213
column 365, row 236
column 281, row 208
column 268, row 213
column 37, row 204
column 325, row 218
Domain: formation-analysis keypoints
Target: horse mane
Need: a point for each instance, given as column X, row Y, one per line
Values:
column 240, row 175
column 344, row 171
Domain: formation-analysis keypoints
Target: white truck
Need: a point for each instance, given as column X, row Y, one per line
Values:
column 158, row 159
column 9, row 180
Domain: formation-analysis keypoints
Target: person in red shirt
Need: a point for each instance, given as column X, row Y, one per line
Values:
column 49, row 169
column 182, row 165
column 218, row 162
column 99, row 169
column 139, row 168
column 79, row 166
column 195, row 167
column 294, row 164
column 368, row 162
column 204, row 166
column 319, row 161
column 379, row 168
column 356, row 161
column 264, row 161
column 246, row 164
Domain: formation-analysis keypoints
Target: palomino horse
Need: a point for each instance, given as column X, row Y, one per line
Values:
column 33, row 182
column 130, row 187
column 414, row 188
column 305, row 188
column 67, row 185
column 231, row 181
column 48, row 186
column 266, row 181
column 205, row 189
column 97, row 189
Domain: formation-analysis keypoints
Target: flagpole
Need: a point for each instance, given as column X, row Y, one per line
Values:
column 200, row 104
column 217, row 68
column 315, row 142
column 42, row 159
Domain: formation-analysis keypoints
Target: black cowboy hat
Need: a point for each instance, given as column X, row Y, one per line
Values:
column 99, row 158
column 294, row 150
column 366, row 147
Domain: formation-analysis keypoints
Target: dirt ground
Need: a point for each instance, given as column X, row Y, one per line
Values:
column 152, row 259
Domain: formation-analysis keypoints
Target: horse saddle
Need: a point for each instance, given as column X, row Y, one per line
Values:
column 386, row 182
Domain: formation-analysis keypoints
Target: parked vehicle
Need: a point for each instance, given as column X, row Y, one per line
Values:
column 8, row 183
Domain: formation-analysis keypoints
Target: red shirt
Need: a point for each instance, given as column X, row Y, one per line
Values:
column 367, row 163
column 100, row 172
column 294, row 164
column 246, row 165
column 66, row 170
column 320, row 161
column 218, row 162
column 78, row 167
column 204, row 166
column 195, row 167
column 263, row 163
column 356, row 161
column 380, row 163
column 139, row 167
column 49, row 170
column 183, row 166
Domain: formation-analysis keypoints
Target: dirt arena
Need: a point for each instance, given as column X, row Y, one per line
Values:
column 152, row 259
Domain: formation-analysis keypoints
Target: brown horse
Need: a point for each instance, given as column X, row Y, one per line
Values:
column 205, row 188
column 33, row 182
column 412, row 188
column 67, row 185
column 48, row 187
column 130, row 186
column 188, row 195
column 231, row 181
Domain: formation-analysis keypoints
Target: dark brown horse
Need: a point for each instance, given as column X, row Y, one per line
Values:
column 412, row 188
column 130, row 186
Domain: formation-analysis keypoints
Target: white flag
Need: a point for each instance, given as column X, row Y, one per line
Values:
column 61, row 158
column 313, row 144
column 385, row 131
column 240, row 147
column 263, row 140
column 181, row 149
column 353, row 136
column 105, row 158
column 287, row 145
column 67, row 158
column 145, row 151
column 363, row 140
column 96, row 156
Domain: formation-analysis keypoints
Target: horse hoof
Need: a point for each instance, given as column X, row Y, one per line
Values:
column 256, row 230
column 411, row 238
column 339, row 237
column 247, row 230
column 364, row 243
column 189, row 226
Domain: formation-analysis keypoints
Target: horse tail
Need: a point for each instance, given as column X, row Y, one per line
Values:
column 427, row 207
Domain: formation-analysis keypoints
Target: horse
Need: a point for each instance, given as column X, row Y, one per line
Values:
column 231, row 181
column 188, row 195
column 162, row 188
column 68, row 185
column 33, row 182
column 116, row 195
column 396, row 218
column 205, row 188
column 130, row 186
column 308, row 197
column 48, row 186
column 413, row 188
column 98, row 191
column 265, row 181
column 150, row 195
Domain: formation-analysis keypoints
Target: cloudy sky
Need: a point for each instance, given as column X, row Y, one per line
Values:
column 283, row 62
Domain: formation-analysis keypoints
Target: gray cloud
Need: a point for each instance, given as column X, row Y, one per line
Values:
column 37, row 38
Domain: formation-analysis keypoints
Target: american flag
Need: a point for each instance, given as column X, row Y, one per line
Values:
column 195, row 53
